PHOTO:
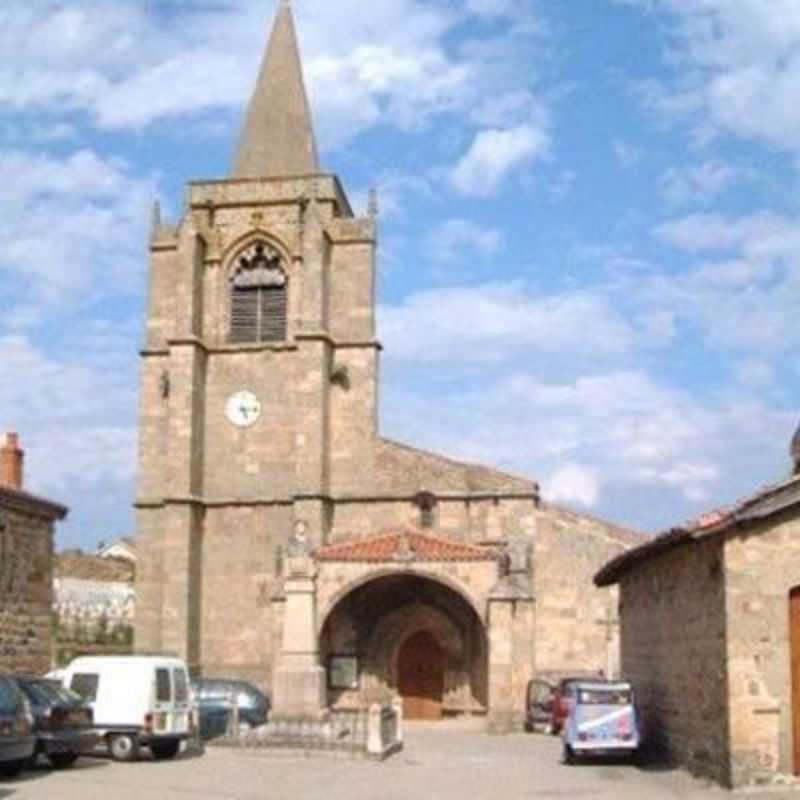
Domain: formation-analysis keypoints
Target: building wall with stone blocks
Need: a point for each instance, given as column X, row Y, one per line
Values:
column 577, row 630
column 762, row 566
column 219, row 504
column 674, row 651
column 26, row 595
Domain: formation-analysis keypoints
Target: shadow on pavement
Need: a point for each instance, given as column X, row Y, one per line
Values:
column 5, row 793
column 102, row 758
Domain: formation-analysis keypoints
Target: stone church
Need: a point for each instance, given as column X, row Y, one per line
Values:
column 282, row 538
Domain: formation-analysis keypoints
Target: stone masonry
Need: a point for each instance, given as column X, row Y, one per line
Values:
column 26, row 555
column 220, row 501
column 705, row 621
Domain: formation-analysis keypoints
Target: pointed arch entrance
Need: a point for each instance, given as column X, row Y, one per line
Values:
column 413, row 636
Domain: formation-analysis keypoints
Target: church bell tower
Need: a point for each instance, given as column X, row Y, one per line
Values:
column 258, row 380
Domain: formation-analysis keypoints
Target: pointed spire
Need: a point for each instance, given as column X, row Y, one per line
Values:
column 278, row 137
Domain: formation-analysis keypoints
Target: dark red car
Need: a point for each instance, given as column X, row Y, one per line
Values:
column 563, row 697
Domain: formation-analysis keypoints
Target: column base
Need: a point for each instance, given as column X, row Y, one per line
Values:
column 502, row 721
column 299, row 693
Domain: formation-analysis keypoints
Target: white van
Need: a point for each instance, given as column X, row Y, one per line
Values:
column 137, row 701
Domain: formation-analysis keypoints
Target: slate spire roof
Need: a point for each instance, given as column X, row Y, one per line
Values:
column 278, row 136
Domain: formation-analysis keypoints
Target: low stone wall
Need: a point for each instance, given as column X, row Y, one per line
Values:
column 375, row 734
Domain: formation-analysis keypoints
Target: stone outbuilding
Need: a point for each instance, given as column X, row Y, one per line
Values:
column 281, row 538
column 710, row 638
column 27, row 527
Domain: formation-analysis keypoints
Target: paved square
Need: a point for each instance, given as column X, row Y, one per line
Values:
column 437, row 764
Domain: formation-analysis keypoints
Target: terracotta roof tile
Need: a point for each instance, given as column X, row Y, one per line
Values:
column 405, row 544
column 765, row 502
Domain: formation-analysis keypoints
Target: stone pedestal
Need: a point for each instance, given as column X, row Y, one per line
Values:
column 299, row 685
column 511, row 651
column 299, row 691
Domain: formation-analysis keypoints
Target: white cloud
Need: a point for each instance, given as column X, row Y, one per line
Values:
column 130, row 65
column 494, row 155
column 602, row 437
column 741, row 289
column 461, row 240
column 74, row 227
column 78, row 405
column 573, row 483
column 490, row 8
column 495, row 322
column 737, row 64
column 755, row 373
column 699, row 184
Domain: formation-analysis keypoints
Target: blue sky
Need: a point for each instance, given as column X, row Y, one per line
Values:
column 590, row 249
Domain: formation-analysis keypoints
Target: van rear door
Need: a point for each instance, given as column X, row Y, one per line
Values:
column 171, row 709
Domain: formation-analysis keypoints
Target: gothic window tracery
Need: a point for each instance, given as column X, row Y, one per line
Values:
column 258, row 296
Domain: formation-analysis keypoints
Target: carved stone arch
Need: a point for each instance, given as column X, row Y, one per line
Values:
column 374, row 615
column 396, row 628
column 257, row 273
column 240, row 245
column 373, row 574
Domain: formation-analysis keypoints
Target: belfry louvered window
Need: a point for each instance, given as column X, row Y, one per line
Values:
column 258, row 296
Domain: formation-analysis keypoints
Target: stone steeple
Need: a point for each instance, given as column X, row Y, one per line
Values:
column 278, row 137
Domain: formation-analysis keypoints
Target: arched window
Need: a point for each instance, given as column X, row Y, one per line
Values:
column 426, row 503
column 258, row 296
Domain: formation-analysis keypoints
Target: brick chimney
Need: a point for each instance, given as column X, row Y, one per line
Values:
column 11, row 460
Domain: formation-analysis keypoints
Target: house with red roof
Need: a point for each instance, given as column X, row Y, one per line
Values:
column 710, row 637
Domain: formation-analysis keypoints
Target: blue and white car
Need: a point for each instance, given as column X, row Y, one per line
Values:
column 602, row 720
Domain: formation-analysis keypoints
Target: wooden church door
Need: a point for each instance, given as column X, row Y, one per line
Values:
column 420, row 676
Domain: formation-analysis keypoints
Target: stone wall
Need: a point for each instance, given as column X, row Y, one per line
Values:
column 762, row 566
column 26, row 552
column 672, row 613
column 577, row 626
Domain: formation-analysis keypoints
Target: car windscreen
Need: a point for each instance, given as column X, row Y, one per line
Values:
column 36, row 693
column 604, row 697
column 9, row 697
column 57, row 694
column 66, row 696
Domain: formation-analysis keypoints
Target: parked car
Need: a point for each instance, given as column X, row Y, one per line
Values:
column 215, row 697
column 137, row 701
column 63, row 722
column 562, row 700
column 601, row 721
column 17, row 742
column 539, row 705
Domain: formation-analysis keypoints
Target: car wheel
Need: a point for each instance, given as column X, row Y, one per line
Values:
column 164, row 750
column 62, row 760
column 123, row 747
column 10, row 769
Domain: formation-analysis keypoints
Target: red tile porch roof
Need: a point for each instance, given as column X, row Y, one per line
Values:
column 405, row 544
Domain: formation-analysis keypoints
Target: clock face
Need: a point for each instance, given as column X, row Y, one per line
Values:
column 243, row 409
